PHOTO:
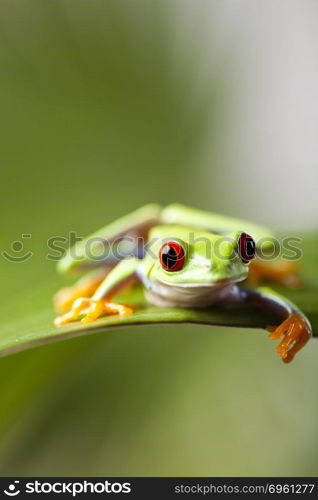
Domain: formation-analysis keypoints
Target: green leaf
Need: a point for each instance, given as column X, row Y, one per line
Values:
column 29, row 318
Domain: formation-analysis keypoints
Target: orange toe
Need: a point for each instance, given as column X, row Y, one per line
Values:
column 295, row 332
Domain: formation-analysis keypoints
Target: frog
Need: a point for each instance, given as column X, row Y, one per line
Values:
column 184, row 258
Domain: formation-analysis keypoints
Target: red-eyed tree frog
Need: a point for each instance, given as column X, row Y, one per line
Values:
column 185, row 258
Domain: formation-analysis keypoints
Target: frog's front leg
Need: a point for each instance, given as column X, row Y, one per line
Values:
column 294, row 330
column 90, row 309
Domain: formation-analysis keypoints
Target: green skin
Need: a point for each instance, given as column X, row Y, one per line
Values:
column 195, row 228
column 211, row 269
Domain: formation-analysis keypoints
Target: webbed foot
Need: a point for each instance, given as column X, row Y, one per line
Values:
column 295, row 332
column 89, row 310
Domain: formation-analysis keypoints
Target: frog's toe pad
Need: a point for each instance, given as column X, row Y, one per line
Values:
column 295, row 332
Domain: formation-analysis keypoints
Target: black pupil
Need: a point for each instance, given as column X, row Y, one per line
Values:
column 169, row 256
column 250, row 247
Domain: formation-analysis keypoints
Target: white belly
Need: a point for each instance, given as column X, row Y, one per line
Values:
column 164, row 295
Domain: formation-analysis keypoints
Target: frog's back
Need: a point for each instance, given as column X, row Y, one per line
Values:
column 212, row 222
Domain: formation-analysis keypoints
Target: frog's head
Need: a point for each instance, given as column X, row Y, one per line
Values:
column 182, row 256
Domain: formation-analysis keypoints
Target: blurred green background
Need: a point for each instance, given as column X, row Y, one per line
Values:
column 107, row 105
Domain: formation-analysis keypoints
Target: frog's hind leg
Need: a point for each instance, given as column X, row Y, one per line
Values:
column 294, row 329
column 278, row 271
column 84, row 287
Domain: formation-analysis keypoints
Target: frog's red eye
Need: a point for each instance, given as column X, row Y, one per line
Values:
column 246, row 247
column 171, row 256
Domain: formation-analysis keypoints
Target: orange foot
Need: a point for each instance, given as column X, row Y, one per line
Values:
column 89, row 310
column 279, row 271
column 295, row 332
column 65, row 297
